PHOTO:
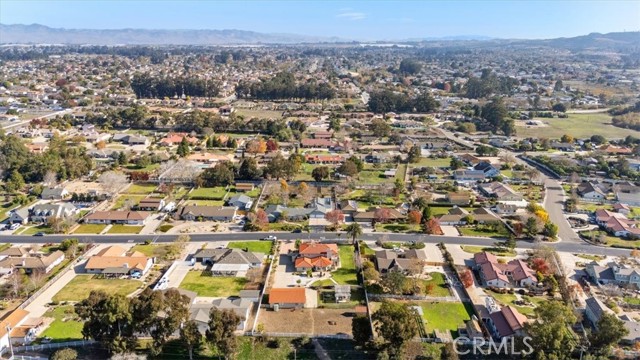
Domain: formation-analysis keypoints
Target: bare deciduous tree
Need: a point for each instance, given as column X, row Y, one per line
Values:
column 112, row 181
column 50, row 178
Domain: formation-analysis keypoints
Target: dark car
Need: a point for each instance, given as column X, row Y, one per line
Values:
column 297, row 231
column 39, row 234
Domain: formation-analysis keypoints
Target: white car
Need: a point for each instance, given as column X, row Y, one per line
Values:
column 270, row 238
column 14, row 226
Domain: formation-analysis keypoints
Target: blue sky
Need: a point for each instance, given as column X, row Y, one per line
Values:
column 360, row 20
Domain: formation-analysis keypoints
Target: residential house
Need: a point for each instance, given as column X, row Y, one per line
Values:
column 115, row 261
column 499, row 191
column 388, row 260
column 514, row 273
column 230, row 262
column 290, row 298
column 199, row 312
column 29, row 261
column 151, row 204
column 318, row 143
column 507, row 322
column 613, row 273
column 484, row 216
column 594, row 310
column 458, row 198
column 616, row 223
column 41, row 213
column 591, row 191
column 19, row 216
column 55, row 193
column 469, row 159
column 487, row 169
column 504, row 209
column 562, row 146
column 316, row 256
column 14, row 329
column 176, row 138
column 241, row 202
column 464, row 175
column 244, row 187
column 131, row 139
column 117, row 217
column 348, row 207
column 210, row 158
column 326, row 159
column 455, row 216
column 206, row 213
column 274, row 212
column 370, row 216
column 342, row 293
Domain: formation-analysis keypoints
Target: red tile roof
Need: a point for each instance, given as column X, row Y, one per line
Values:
column 287, row 296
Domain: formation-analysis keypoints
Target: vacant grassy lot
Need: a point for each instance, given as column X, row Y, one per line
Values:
column 124, row 229
column 433, row 162
column 66, row 326
column 261, row 114
column 212, row 286
column 130, row 200
column 438, row 281
column 204, row 193
column 483, row 232
column 307, row 321
column 346, row 274
column 90, row 229
column 80, row 287
column 578, row 126
column 494, row 250
column 143, row 189
column 446, row 316
column 253, row 246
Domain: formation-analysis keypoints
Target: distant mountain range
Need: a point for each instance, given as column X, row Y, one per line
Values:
column 40, row 34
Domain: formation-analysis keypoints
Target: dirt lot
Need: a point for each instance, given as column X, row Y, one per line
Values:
column 82, row 187
column 308, row 321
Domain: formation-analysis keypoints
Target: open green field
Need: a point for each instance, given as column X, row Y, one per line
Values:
column 373, row 177
column 79, row 288
column 90, row 229
column 346, row 274
column 253, row 246
column 212, row 286
column 124, row 229
column 433, row 162
column 576, row 125
column 445, row 316
column 143, row 189
column 131, row 200
column 494, row 250
column 261, row 114
column 438, row 281
column 215, row 193
column 65, row 327
column 483, row 232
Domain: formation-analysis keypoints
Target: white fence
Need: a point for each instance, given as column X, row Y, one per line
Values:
column 414, row 297
column 51, row 346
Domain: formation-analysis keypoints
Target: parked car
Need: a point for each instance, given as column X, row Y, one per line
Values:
column 38, row 234
column 270, row 238
column 297, row 231
column 3, row 227
column 14, row 226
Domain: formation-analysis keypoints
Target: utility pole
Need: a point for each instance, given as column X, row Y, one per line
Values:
column 10, row 344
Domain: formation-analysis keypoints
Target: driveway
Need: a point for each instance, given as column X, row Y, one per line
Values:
column 38, row 306
column 449, row 230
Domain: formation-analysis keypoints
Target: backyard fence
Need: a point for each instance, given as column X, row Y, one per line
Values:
column 51, row 346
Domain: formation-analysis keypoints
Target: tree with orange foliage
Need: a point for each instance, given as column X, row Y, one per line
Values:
column 540, row 265
column 467, row 278
column 382, row 215
column 432, row 227
column 271, row 145
column 335, row 217
column 414, row 216
column 635, row 253
column 257, row 146
column 101, row 145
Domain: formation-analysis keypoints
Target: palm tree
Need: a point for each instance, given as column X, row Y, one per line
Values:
column 354, row 230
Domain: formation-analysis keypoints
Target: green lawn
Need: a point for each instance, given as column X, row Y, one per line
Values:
column 578, row 126
column 401, row 171
column 65, row 327
column 323, row 283
column 472, row 231
column 397, row 228
column 373, row 177
column 632, row 301
column 433, row 162
column 253, row 246
column 445, row 315
column 611, row 240
column 508, row 299
column 90, row 229
column 205, row 202
column 494, row 250
column 204, row 193
column 253, row 193
column 132, row 200
column 124, row 229
column 438, row 281
column 35, row 229
column 143, row 189
column 212, row 286
column 80, row 287
column 346, row 274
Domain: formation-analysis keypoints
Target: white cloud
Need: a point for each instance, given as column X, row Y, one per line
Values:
column 352, row 15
